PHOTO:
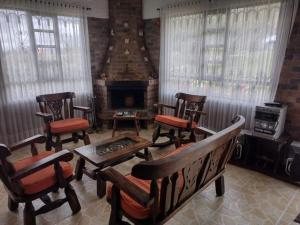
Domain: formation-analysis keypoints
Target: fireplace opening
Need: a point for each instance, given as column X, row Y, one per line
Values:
column 127, row 99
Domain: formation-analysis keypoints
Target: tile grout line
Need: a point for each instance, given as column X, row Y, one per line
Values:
column 286, row 208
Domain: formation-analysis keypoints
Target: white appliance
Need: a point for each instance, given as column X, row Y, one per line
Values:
column 269, row 120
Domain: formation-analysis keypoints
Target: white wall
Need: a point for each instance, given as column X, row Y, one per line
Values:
column 150, row 8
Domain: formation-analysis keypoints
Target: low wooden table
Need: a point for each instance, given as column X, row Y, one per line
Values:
column 131, row 116
column 109, row 152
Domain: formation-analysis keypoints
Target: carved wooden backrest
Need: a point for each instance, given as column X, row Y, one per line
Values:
column 199, row 164
column 60, row 105
column 187, row 101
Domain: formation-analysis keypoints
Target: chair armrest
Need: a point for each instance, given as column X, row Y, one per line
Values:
column 192, row 112
column 203, row 130
column 82, row 108
column 29, row 141
column 164, row 105
column 160, row 107
column 63, row 155
column 46, row 116
column 122, row 183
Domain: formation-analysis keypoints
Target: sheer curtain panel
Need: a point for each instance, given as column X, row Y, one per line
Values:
column 231, row 51
column 43, row 50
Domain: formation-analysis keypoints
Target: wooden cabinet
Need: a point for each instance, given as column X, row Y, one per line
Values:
column 263, row 155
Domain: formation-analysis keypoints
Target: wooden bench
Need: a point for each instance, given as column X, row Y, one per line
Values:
column 156, row 190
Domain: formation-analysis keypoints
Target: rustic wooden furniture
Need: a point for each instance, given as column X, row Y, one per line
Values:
column 156, row 190
column 34, row 177
column 263, row 155
column 131, row 116
column 57, row 111
column 186, row 116
column 108, row 153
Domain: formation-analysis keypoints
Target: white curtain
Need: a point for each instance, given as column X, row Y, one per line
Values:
column 231, row 51
column 43, row 49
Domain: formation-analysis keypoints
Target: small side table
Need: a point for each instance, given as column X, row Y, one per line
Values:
column 131, row 116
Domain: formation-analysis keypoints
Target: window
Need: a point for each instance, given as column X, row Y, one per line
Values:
column 46, row 46
column 224, row 51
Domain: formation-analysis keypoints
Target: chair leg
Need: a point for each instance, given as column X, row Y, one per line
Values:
column 12, row 205
column 156, row 134
column 75, row 137
column 72, row 199
column 115, row 215
column 220, row 186
column 86, row 138
column 29, row 214
column 58, row 144
column 49, row 141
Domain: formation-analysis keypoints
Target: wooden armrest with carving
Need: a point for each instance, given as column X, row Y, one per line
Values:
column 29, row 141
column 63, row 155
column 46, row 116
column 84, row 109
column 122, row 183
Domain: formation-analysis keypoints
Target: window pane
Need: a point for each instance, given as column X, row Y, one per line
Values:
column 44, row 38
column 47, row 62
column 42, row 22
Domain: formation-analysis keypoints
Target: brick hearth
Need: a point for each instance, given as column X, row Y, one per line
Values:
column 127, row 58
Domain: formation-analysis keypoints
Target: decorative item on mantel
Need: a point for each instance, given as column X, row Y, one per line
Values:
column 108, row 61
column 112, row 33
column 111, row 48
column 143, row 48
column 126, row 40
column 141, row 33
column 126, row 52
column 126, row 25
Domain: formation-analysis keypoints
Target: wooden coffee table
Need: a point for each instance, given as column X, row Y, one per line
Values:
column 109, row 152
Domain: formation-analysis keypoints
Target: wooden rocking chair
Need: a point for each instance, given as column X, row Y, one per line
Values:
column 186, row 116
column 61, row 119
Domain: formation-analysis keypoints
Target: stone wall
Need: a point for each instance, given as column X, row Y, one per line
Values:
column 98, row 38
column 289, row 85
column 152, row 38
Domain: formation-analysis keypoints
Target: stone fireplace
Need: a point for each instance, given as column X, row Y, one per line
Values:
column 128, row 79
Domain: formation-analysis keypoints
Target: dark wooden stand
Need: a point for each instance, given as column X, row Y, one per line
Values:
column 110, row 158
column 130, row 117
column 264, row 155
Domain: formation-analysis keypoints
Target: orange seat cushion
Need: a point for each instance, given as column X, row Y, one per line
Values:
column 174, row 121
column 69, row 125
column 43, row 178
column 130, row 206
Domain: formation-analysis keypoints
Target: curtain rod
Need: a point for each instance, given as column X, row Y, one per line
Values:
column 66, row 5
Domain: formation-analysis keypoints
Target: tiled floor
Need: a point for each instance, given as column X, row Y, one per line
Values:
column 250, row 199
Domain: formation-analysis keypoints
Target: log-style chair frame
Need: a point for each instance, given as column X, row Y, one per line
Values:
column 59, row 106
column 201, row 164
column 11, row 180
column 187, row 107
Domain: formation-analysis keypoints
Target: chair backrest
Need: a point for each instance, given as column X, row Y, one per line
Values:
column 58, row 104
column 191, row 102
column 199, row 165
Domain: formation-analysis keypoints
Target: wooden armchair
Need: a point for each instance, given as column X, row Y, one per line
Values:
column 57, row 111
column 187, row 112
column 156, row 190
column 34, row 177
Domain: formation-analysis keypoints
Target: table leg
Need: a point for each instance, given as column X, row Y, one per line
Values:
column 79, row 168
column 101, row 187
column 114, row 127
column 137, row 127
column 148, row 155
